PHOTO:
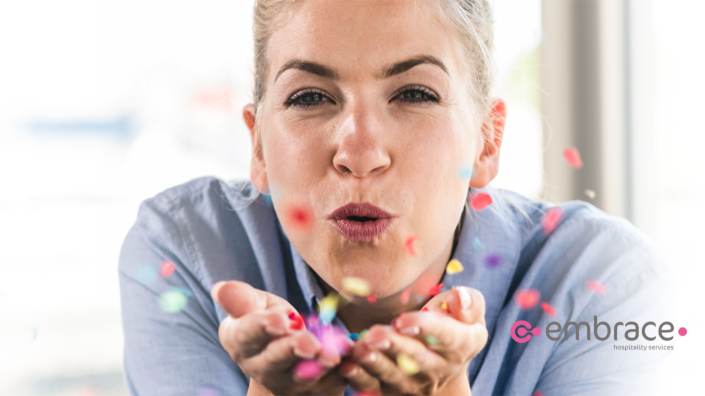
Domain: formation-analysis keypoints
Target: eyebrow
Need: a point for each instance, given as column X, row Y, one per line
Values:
column 388, row 71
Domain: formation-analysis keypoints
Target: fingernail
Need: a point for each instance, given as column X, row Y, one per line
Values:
column 369, row 358
column 273, row 331
column 215, row 288
column 465, row 299
column 327, row 363
column 412, row 330
column 351, row 372
column 382, row 345
column 303, row 355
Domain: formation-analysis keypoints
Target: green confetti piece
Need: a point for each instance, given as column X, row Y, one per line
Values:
column 363, row 333
column 172, row 301
column 432, row 340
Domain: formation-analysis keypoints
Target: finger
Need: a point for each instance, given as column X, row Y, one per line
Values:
column 359, row 379
column 374, row 361
column 419, row 359
column 283, row 353
column 465, row 304
column 248, row 335
column 239, row 298
column 454, row 340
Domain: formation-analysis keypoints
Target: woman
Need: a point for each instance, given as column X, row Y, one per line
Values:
column 363, row 113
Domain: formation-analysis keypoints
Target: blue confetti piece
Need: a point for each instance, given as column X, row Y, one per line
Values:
column 354, row 336
column 465, row 171
column 147, row 274
column 477, row 245
column 326, row 316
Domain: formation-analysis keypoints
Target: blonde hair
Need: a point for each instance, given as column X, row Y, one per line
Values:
column 471, row 19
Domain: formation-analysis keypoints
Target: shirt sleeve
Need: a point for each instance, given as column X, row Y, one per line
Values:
column 640, row 293
column 169, row 319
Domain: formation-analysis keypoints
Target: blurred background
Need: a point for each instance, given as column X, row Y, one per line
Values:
column 106, row 103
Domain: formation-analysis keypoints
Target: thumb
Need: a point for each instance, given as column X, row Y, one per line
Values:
column 239, row 298
column 464, row 304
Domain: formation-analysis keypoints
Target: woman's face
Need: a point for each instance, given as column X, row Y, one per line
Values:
column 367, row 102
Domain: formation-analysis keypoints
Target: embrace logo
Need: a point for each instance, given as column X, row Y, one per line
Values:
column 521, row 331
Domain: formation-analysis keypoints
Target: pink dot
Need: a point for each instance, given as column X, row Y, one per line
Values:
column 682, row 331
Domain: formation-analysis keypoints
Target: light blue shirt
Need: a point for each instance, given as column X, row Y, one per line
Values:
column 212, row 231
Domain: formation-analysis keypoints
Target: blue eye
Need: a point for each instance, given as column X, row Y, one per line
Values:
column 417, row 94
column 307, row 98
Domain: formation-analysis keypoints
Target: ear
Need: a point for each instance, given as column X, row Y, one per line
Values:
column 258, row 171
column 487, row 163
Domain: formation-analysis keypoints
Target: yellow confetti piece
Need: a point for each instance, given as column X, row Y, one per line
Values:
column 363, row 333
column 329, row 303
column 407, row 364
column 454, row 266
column 445, row 306
column 356, row 286
column 590, row 194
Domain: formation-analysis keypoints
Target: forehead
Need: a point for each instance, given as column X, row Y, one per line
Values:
column 358, row 37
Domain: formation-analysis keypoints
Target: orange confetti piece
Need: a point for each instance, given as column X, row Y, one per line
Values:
column 527, row 299
column 596, row 287
column 404, row 298
column 424, row 309
column 548, row 309
column 454, row 266
column 572, row 156
column 168, row 268
column 435, row 289
column 480, row 201
column 409, row 247
column 444, row 306
column 299, row 217
column 551, row 219
column 372, row 299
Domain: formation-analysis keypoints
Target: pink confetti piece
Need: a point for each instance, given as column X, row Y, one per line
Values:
column 480, row 201
column 299, row 217
column 596, row 287
column 371, row 299
column 551, row 219
column 424, row 309
column 435, row 289
column 548, row 309
column 167, row 269
column 537, row 393
column 527, row 299
column 404, row 298
column 572, row 156
column 409, row 247
column 308, row 369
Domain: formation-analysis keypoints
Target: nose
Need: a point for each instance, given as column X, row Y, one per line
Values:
column 361, row 150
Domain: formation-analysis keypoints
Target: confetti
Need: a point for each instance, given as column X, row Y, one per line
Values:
column 444, row 306
column 548, row 309
column 435, row 289
column 551, row 219
column 596, row 287
column 172, row 301
column 432, row 340
column 328, row 308
column 404, row 298
column 147, row 274
column 527, row 299
column 167, row 269
column 299, row 217
column 363, row 333
column 454, row 267
column 354, row 336
column 537, row 393
column 480, row 201
column 477, row 245
column 407, row 364
column 409, row 247
column 371, row 299
column 572, row 155
column 465, row 171
column 590, row 193
column 424, row 309
column 308, row 369
column 297, row 322
column 493, row 260
column 356, row 286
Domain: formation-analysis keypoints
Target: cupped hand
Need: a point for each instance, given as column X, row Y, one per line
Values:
column 261, row 338
column 423, row 352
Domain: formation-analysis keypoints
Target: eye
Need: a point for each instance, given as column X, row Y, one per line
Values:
column 416, row 94
column 307, row 98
